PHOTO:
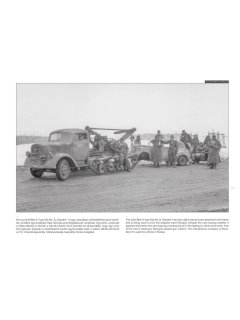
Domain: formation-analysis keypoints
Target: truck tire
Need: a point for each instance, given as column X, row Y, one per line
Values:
column 182, row 160
column 36, row 173
column 63, row 170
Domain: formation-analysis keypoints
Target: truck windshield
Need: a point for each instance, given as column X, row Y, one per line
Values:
column 61, row 136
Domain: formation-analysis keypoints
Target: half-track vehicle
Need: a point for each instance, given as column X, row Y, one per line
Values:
column 70, row 150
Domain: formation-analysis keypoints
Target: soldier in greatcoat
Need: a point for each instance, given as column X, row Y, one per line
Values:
column 156, row 149
column 213, row 153
column 195, row 143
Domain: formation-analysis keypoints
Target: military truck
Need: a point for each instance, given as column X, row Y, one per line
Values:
column 69, row 150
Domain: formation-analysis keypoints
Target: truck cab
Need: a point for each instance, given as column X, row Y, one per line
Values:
column 66, row 150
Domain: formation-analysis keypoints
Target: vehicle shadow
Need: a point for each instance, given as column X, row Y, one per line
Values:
column 88, row 173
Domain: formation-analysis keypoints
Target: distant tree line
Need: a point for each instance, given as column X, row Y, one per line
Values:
column 24, row 139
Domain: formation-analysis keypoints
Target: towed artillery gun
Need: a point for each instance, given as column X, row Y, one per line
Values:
column 69, row 150
column 105, row 156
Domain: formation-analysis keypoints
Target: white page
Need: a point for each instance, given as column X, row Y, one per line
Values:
column 177, row 275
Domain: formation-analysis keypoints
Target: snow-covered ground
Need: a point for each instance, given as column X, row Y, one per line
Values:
column 224, row 153
column 21, row 153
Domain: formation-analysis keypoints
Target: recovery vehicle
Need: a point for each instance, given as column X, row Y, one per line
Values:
column 69, row 150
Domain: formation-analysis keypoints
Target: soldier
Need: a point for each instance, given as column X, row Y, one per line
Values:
column 159, row 136
column 132, row 138
column 195, row 143
column 200, row 150
column 207, row 140
column 156, row 150
column 137, row 140
column 122, row 149
column 187, row 140
column 213, row 153
column 172, row 151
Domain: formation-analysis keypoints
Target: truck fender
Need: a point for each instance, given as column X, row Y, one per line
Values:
column 57, row 157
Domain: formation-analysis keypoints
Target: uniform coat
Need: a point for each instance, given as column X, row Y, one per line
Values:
column 156, row 150
column 195, row 143
column 213, row 153
column 172, row 151
column 187, row 140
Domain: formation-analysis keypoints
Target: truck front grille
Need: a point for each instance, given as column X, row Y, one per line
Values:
column 35, row 150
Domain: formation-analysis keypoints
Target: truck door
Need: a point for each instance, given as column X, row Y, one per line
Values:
column 80, row 146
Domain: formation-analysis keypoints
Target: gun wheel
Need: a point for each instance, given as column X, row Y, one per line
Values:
column 118, row 167
column 101, row 168
column 110, row 167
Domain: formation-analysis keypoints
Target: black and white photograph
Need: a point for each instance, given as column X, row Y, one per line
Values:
column 122, row 147
column 120, row 160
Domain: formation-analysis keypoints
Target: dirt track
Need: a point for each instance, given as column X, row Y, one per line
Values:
column 190, row 188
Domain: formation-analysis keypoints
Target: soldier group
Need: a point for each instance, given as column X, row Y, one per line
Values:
column 158, row 142
column 210, row 149
column 207, row 150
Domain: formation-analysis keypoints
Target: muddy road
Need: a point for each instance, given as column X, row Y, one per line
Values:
column 190, row 188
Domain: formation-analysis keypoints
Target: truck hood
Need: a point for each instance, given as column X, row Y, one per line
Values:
column 54, row 147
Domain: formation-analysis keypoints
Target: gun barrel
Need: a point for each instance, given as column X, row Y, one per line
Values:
column 107, row 129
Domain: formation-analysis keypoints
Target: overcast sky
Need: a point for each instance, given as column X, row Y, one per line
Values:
column 197, row 108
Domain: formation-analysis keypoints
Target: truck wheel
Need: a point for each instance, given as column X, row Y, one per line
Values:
column 182, row 160
column 36, row 173
column 63, row 170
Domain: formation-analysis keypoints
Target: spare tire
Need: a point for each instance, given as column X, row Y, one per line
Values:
column 182, row 160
